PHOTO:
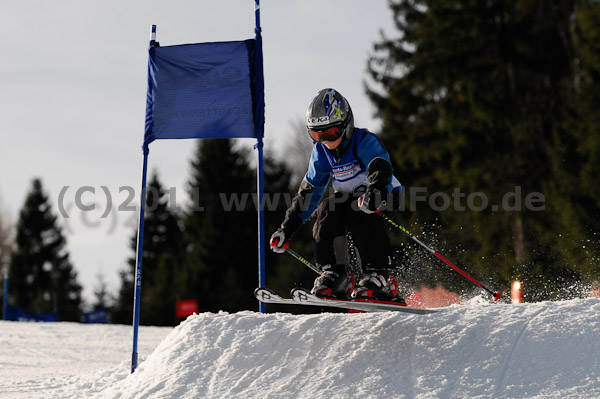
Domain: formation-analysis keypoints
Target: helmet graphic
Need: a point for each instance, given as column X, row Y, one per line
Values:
column 329, row 117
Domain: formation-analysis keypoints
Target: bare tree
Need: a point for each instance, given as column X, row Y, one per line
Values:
column 297, row 150
column 6, row 238
column 102, row 297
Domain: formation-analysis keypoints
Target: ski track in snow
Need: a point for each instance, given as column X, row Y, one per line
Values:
column 544, row 351
column 505, row 368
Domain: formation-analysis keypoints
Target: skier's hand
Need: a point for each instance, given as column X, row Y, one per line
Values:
column 371, row 200
column 278, row 242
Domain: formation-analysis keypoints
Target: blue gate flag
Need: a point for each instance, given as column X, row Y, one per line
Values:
column 204, row 90
column 17, row 314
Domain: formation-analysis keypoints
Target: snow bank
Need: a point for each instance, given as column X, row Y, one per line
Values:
column 544, row 350
column 67, row 360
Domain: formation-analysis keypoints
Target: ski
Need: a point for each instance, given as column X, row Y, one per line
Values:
column 302, row 296
column 267, row 295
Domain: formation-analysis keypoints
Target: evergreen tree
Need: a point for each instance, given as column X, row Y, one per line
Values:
column 587, row 98
column 475, row 97
column 283, row 271
column 41, row 273
column 221, row 228
column 162, row 263
column 122, row 310
column 576, row 154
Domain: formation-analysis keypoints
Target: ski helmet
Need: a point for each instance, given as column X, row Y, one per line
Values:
column 329, row 117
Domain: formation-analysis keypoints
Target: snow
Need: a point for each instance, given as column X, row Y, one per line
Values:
column 67, row 360
column 475, row 350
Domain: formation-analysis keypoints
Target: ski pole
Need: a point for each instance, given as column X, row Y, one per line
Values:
column 496, row 295
column 296, row 255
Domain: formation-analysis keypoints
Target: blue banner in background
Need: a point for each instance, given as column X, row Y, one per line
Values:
column 204, row 90
column 96, row 316
column 17, row 314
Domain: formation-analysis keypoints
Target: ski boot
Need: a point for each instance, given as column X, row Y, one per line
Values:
column 375, row 284
column 392, row 285
column 334, row 282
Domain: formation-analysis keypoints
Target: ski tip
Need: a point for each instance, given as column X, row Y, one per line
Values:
column 497, row 295
column 263, row 288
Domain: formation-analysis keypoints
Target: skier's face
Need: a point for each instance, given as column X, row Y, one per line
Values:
column 332, row 145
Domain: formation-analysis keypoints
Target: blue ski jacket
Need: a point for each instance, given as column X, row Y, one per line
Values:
column 358, row 162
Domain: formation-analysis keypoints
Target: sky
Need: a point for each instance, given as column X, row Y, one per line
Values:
column 74, row 74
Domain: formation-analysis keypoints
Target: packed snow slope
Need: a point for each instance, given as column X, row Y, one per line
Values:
column 543, row 350
column 67, row 360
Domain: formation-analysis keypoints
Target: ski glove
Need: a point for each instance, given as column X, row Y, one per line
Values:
column 279, row 242
column 371, row 200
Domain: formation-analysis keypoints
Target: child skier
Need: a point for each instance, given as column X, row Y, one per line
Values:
column 363, row 182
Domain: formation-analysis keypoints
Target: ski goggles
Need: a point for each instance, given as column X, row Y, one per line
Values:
column 330, row 134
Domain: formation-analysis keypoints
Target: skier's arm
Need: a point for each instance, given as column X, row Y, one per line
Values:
column 376, row 158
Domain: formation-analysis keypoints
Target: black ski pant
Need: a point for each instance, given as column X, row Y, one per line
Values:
column 338, row 214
